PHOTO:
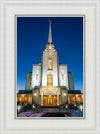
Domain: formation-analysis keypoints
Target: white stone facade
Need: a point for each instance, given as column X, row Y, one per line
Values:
column 63, row 76
column 44, row 68
column 49, row 90
column 50, row 73
column 36, row 75
column 59, row 72
column 49, row 79
column 54, row 70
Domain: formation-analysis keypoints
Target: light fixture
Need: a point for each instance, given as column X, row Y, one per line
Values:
column 81, row 107
column 34, row 106
column 19, row 108
column 35, row 94
column 64, row 94
column 66, row 106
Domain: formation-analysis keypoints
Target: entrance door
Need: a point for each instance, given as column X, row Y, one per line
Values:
column 49, row 100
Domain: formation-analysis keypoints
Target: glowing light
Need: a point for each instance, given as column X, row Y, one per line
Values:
column 50, row 47
column 35, row 94
column 64, row 94
column 34, row 106
column 19, row 108
column 66, row 106
column 81, row 107
column 49, row 96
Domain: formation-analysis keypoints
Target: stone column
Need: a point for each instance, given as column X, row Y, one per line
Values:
column 57, row 99
column 42, row 99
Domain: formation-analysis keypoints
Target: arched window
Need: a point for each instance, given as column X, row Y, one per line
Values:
column 49, row 61
column 62, row 76
column 49, row 80
column 50, row 64
column 36, row 76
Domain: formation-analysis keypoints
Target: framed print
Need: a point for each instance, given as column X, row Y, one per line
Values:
column 50, row 89
column 50, row 66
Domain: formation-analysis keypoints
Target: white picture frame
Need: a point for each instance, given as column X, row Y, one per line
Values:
column 91, row 10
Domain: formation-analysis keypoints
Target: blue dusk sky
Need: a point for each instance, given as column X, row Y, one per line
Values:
column 32, row 37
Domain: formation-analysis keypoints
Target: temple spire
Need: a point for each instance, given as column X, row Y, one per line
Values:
column 50, row 35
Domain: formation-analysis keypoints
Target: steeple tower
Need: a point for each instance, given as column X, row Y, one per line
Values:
column 49, row 45
column 50, row 35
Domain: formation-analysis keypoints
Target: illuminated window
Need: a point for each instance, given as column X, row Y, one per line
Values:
column 49, row 80
column 25, row 98
column 49, row 64
column 36, row 76
column 49, row 61
column 62, row 76
column 49, row 54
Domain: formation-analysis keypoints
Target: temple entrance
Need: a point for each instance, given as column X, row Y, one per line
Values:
column 49, row 100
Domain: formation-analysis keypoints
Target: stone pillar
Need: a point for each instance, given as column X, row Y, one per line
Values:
column 42, row 99
column 57, row 99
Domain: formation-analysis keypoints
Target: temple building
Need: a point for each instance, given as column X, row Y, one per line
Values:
column 50, row 83
column 70, row 81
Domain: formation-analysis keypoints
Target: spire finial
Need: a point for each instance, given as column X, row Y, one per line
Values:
column 49, row 21
column 50, row 35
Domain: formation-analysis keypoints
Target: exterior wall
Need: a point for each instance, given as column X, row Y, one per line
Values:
column 49, row 90
column 74, row 91
column 24, row 98
column 35, row 96
column 70, row 81
column 64, row 96
column 54, row 67
column 44, row 68
column 75, row 98
column 28, row 81
column 31, row 99
column 63, row 73
column 36, row 72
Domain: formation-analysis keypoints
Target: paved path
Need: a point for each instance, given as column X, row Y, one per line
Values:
column 30, row 114
column 51, row 113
